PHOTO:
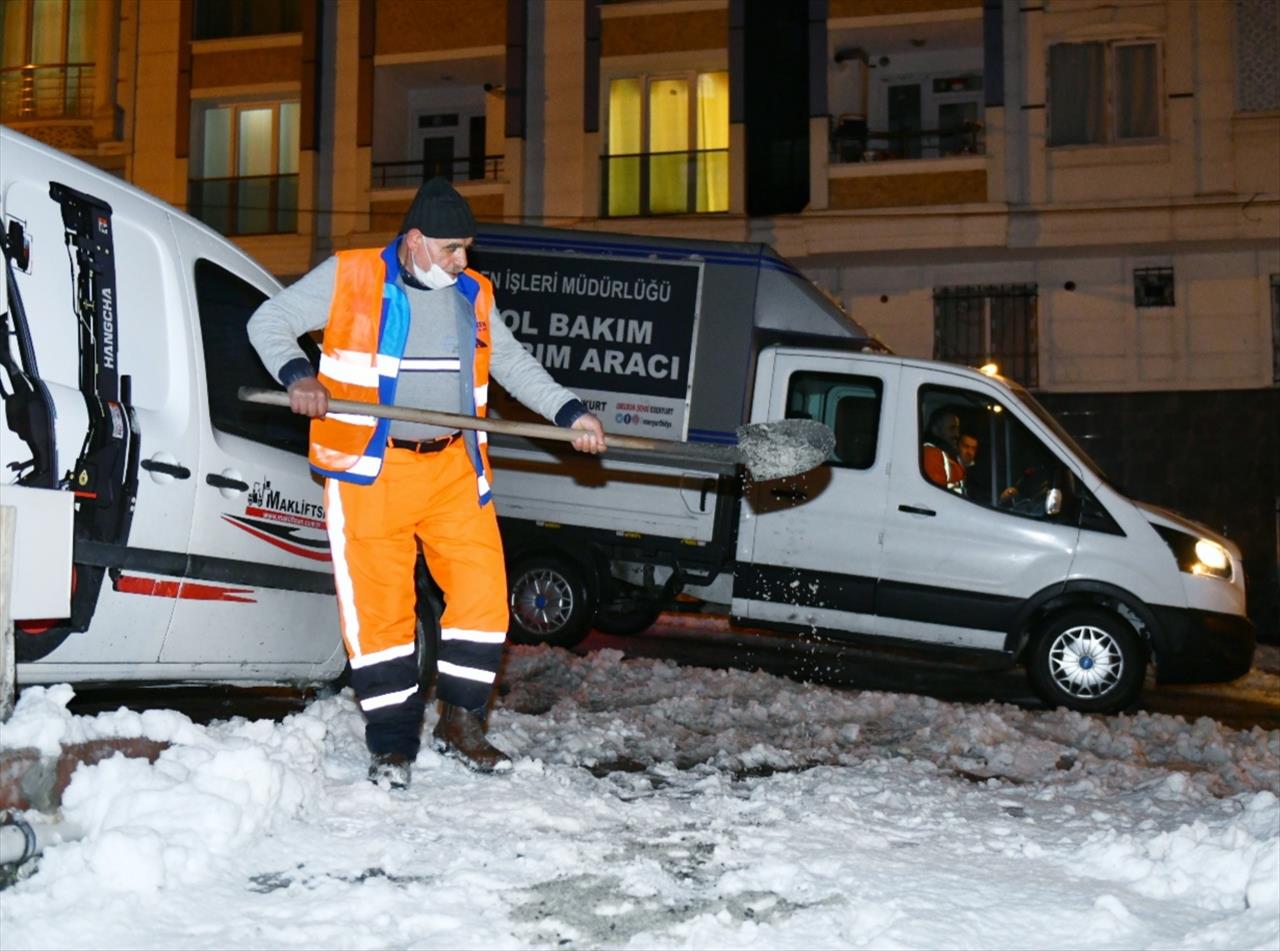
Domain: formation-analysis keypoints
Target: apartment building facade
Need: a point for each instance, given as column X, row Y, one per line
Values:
column 1086, row 193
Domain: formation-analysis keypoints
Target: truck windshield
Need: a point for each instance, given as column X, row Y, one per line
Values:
column 1045, row 417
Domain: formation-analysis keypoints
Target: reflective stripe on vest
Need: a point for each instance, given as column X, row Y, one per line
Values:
column 362, row 357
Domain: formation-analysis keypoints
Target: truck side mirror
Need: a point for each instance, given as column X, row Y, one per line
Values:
column 1053, row 502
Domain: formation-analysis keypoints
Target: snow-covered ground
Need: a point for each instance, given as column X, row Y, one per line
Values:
column 654, row 806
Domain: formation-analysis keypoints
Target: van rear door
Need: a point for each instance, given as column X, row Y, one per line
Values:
column 809, row 546
column 100, row 299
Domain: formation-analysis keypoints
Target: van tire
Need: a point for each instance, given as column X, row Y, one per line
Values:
column 1087, row 659
column 38, row 642
column 549, row 601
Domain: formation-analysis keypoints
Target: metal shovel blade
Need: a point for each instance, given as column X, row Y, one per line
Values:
column 784, row 447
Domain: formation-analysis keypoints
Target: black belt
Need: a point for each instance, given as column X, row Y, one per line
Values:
column 424, row 445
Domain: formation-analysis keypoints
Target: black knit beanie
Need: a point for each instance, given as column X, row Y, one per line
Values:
column 438, row 211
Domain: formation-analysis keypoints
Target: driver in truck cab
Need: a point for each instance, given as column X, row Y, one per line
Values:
column 411, row 324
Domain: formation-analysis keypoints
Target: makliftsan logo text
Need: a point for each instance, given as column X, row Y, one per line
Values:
column 290, row 524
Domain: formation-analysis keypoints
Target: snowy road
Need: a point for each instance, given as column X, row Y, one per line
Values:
column 653, row 805
column 711, row 641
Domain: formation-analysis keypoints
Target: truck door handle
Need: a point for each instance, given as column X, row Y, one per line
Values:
column 795, row 495
column 707, row 486
column 222, row 482
column 916, row 510
column 177, row 470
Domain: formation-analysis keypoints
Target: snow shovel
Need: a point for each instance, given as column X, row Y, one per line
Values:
column 772, row 450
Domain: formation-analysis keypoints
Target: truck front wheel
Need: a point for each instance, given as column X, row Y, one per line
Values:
column 1087, row 659
column 550, row 601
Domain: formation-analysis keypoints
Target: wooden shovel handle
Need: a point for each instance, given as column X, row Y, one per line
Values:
column 701, row 451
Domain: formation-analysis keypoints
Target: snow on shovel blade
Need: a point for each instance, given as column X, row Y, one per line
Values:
column 784, row 447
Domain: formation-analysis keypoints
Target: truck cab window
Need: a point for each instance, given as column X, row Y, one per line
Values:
column 226, row 303
column 972, row 446
column 849, row 405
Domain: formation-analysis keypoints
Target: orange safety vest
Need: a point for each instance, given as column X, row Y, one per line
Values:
column 944, row 470
column 363, row 344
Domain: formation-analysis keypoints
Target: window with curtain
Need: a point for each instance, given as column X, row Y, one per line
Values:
column 668, row 145
column 47, row 67
column 246, row 168
column 1101, row 93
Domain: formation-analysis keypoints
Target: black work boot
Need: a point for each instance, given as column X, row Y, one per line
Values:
column 460, row 734
column 390, row 770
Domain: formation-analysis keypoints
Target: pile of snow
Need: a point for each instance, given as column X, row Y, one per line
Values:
column 657, row 806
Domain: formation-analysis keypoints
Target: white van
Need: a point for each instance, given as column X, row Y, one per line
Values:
column 165, row 530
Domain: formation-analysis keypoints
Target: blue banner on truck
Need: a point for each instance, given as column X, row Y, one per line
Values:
column 620, row 333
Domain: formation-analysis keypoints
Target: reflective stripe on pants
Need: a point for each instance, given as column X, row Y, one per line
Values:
column 374, row 534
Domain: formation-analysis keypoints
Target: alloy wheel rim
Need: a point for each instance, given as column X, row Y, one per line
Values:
column 1085, row 661
column 542, row 601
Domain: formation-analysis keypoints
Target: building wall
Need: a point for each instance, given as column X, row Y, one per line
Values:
column 1092, row 336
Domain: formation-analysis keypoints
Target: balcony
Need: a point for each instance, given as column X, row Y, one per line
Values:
column 412, row 173
column 664, row 183
column 46, row 91
column 906, row 91
column 852, row 141
column 258, row 204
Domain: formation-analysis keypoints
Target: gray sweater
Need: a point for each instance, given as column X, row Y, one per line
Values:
column 435, row 318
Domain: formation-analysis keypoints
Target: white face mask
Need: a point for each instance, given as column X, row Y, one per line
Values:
column 435, row 278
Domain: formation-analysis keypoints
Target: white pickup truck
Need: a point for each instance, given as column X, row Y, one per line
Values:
column 1030, row 557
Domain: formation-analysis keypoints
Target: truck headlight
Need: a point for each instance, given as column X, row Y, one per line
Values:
column 1197, row 556
column 1212, row 559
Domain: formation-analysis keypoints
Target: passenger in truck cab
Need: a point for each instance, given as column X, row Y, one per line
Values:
column 411, row 324
column 940, row 455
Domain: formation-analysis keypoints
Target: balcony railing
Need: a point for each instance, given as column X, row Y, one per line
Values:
column 486, row 168
column 664, row 183
column 46, row 91
column 852, row 141
column 256, row 204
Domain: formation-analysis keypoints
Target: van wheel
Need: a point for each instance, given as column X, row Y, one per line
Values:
column 1087, row 659
column 549, row 601
column 36, row 640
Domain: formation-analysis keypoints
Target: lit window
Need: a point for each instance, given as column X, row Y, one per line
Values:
column 1103, row 92
column 47, row 68
column 668, row 147
column 245, row 168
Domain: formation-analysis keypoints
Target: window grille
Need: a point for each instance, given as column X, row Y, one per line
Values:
column 977, row 324
column 1153, row 287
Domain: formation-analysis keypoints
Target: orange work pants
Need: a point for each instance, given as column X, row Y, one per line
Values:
column 426, row 499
